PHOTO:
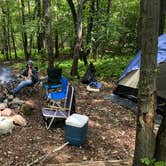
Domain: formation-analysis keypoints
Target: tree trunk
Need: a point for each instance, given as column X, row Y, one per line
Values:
column 40, row 29
column 5, row 42
column 77, row 48
column 74, row 16
column 29, row 15
column 13, row 40
column 30, row 19
column 145, row 137
column 162, row 16
column 56, row 44
column 94, row 44
column 24, row 34
column 56, row 32
column 89, row 28
column 8, row 28
column 48, row 33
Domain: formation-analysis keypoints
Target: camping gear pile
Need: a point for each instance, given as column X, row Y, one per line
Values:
column 89, row 79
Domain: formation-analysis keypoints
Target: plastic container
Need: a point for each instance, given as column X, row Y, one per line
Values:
column 76, row 129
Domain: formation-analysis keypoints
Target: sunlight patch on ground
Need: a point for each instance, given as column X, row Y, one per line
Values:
column 92, row 124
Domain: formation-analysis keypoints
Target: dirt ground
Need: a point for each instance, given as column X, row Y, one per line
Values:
column 111, row 133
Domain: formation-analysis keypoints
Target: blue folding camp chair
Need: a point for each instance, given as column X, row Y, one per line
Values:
column 58, row 95
column 54, row 79
column 54, row 86
column 52, row 112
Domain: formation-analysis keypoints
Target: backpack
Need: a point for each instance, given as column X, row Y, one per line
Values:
column 54, row 76
column 89, row 76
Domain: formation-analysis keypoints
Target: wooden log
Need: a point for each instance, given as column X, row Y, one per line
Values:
column 96, row 163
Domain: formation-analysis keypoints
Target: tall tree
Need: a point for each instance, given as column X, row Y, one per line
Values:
column 24, row 34
column 77, row 48
column 56, row 32
column 30, row 19
column 13, row 41
column 74, row 14
column 8, row 27
column 11, row 10
column 162, row 16
column 89, row 28
column 5, row 35
column 145, row 137
column 97, row 13
column 39, row 26
column 49, row 41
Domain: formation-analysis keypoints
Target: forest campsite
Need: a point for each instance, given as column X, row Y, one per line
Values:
column 82, row 83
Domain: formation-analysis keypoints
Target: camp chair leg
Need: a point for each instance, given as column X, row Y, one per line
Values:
column 47, row 122
column 52, row 119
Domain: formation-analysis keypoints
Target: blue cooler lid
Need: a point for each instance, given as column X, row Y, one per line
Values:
column 77, row 120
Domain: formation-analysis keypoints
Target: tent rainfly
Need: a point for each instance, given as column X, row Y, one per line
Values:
column 128, row 81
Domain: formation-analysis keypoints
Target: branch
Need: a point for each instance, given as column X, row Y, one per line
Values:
column 44, row 157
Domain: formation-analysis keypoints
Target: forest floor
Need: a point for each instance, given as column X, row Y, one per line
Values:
column 111, row 133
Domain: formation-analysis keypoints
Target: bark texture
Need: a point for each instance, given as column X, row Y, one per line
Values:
column 77, row 48
column 145, row 137
column 49, row 41
column 162, row 16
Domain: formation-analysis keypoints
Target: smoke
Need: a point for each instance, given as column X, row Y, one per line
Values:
column 6, row 74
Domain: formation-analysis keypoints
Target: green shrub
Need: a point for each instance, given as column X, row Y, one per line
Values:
column 152, row 162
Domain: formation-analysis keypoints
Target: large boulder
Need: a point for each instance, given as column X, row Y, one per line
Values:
column 19, row 120
column 3, row 106
column 6, row 125
column 6, row 112
column 28, row 107
column 31, row 103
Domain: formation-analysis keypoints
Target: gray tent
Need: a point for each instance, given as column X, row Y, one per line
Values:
column 128, row 82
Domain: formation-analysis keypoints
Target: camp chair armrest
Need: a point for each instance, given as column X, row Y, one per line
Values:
column 60, row 108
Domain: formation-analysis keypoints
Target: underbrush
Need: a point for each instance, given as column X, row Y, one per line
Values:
column 105, row 67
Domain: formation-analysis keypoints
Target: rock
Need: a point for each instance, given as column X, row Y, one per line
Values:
column 3, row 106
column 6, row 125
column 18, row 119
column 15, row 103
column 5, row 101
column 31, row 103
column 16, row 111
column 10, row 98
column 26, row 109
column 7, row 112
